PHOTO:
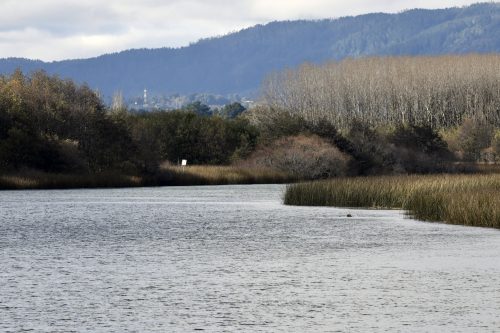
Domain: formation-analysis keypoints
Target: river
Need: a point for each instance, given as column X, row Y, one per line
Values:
column 234, row 259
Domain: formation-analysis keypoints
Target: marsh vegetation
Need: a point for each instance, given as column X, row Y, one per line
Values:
column 167, row 175
column 472, row 200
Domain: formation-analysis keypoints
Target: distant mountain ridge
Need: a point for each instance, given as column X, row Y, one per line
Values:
column 237, row 63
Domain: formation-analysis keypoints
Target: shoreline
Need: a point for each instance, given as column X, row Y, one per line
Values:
column 167, row 176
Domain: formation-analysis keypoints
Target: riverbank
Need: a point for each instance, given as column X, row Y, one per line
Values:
column 472, row 200
column 166, row 176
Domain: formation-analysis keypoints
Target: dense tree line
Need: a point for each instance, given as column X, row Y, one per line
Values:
column 438, row 91
column 369, row 150
column 55, row 125
column 457, row 96
column 182, row 134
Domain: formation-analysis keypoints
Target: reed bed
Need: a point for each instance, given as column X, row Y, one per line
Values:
column 44, row 180
column 221, row 175
column 487, row 167
column 166, row 176
column 472, row 200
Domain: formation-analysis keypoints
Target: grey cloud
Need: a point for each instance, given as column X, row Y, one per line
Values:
column 60, row 18
column 56, row 29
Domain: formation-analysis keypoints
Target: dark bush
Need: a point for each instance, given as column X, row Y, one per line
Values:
column 420, row 139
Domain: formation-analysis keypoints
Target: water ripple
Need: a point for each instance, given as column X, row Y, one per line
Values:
column 232, row 258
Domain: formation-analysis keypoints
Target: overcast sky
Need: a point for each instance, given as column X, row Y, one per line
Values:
column 62, row 29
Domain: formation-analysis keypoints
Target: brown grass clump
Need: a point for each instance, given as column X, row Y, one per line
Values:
column 305, row 157
column 456, row 199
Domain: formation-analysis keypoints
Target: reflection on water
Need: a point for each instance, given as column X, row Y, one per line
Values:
column 233, row 258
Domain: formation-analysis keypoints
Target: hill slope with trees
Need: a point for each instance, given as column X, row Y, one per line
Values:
column 238, row 62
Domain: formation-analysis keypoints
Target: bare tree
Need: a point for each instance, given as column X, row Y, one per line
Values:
column 440, row 91
column 118, row 103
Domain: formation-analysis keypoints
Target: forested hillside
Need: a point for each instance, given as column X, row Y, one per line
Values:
column 237, row 63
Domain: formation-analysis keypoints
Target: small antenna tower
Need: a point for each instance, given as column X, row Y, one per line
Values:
column 145, row 97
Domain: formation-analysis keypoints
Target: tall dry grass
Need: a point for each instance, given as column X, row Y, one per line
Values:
column 43, row 180
column 166, row 176
column 487, row 168
column 220, row 175
column 456, row 199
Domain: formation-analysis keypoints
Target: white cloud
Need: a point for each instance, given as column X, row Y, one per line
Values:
column 59, row 29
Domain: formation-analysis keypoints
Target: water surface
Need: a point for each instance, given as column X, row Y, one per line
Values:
column 233, row 258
